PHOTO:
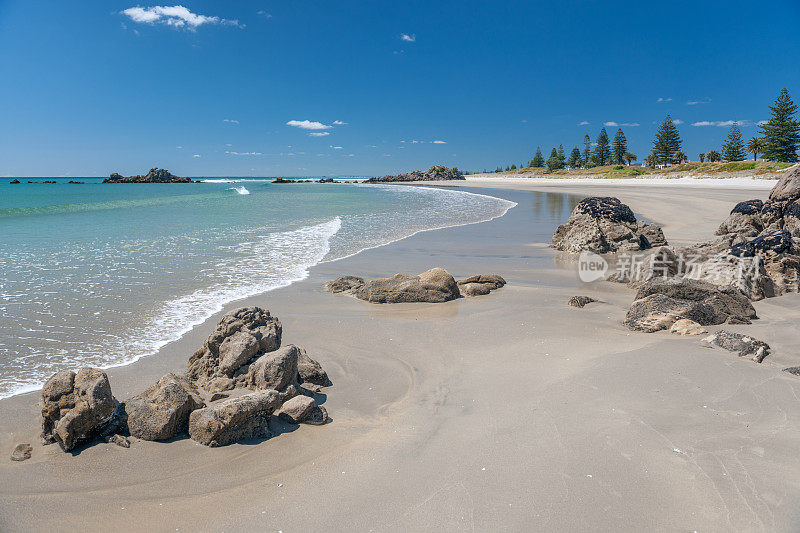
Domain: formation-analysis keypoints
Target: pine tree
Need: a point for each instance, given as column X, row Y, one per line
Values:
column 554, row 162
column 574, row 160
column 667, row 142
column 561, row 156
column 620, row 147
column 782, row 132
column 602, row 151
column 587, row 150
column 538, row 159
column 733, row 147
column 702, row 157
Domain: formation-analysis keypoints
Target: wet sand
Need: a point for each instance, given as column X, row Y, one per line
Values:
column 510, row 411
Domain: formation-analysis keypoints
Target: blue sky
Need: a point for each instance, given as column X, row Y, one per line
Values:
column 232, row 88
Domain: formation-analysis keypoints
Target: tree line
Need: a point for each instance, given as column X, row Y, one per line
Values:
column 779, row 141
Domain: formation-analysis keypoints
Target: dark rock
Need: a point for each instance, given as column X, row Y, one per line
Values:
column 76, row 407
column 327, row 180
column 744, row 219
column 602, row 225
column 21, row 452
column 743, row 345
column 162, row 411
column 296, row 409
column 239, row 338
column 435, row 173
column 580, row 301
column 794, row 370
column 311, row 371
column 433, row 286
column 274, row 370
column 318, row 416
column 776, row 242
column 791, row 219
column 283, row 180
column 234, row 419
column 14, row 182
column 156, row 175
column 344, row 284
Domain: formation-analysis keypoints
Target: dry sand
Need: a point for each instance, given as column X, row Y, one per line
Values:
column 510, row 411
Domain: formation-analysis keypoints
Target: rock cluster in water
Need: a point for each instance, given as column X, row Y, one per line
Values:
column 603, row 224
column 237, row 384
column 156, row 175
column 435, row 173
column 432, row 286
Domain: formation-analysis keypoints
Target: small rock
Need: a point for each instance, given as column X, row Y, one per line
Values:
column 296, row 409
column 344, row 284
column 481, row 284
column 794, row 370
column 684, row 326
column 119, row 440
column 218, row 396
column 317, row 417
column 21, row 452
column 743, row 345
column 580, row 301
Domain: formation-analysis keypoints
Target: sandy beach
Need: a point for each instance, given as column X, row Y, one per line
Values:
column 509, row 412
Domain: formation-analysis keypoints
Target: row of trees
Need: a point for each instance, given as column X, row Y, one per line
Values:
column 779, row 141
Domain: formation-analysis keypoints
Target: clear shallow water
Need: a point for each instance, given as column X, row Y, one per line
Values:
column 103, row 275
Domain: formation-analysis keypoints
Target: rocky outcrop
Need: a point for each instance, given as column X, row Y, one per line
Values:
column 435, row 173
column 162, row 411
column 580, row 301
column 77, row 407
column 480, row 285
column 660, row 302
column 344, row 284
column 237, row 340
column 605, row 224
column 742, row 345
column 434, row 286
column 234, row 419
column 744, row 219
column 14, row 181
column 156, row 175
column 309, row 371
column 21, row 452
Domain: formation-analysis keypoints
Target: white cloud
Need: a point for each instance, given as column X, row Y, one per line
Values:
column 230, row 121
column 263, row 14
column 371, row 146
column 408, row 38
column 319, row 133
column 583, row 123
column 663, row 100
column 308, row 125
column 722, row 123
column 439, row 142
column 697, row 102
column 612, row 124
column 179, row 147
column 243, row 153
column 196, row 155
column 762, row 122
column 177, row 17
column 387, row 155
column 336, row 147
column 338, row 123
column 677, row 122
column 349, row 155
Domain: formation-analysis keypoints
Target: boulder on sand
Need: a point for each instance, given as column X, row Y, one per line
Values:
column 296, row 409
column 274, row 370
column 480, row 284
column 435, row 285
column 743, row 345
column 660, row 302
column 238, row 339
column 310, row 371
column 77, row 407
column 604, row 224
column 580, row 301
column 162, row 411
column 684, row 326
column 234, row 419
column 344, row 284
column 21, row 452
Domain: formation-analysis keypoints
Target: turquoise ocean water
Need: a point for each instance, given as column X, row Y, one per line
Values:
column 104, row 274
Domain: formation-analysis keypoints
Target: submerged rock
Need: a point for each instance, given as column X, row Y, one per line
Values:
column 435, row 285
column 743, row 345
column 14, row 181
column 234, row 419
column 162, row 411
column 21, row 452
column 580, row 301
column 604, row 224
column 76, row 407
